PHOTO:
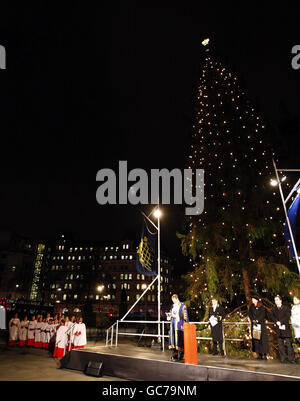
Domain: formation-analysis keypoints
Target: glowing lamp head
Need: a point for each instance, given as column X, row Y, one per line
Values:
column 273, row 182
column 100, row 288
column 205, row 42
column 157, row 213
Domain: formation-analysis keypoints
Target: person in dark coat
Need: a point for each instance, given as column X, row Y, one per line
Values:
column 216, row 314
column 257, row 315
column 280, row 315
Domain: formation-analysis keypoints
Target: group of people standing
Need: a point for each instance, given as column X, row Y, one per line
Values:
column 281, row 316
column 58, row 334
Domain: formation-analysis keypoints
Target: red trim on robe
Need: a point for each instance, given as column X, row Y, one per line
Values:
column 11, row 343
column 30, row 342
column 78, row 346
column 58, row 352
column 37, row 344
column 22, row 343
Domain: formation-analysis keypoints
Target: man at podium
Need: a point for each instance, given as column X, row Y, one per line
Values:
column 178, row 316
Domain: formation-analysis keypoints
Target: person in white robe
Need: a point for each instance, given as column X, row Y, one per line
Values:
column 37, row 333
column 60, row 341
column 44, row 334
column 79, row 334
column 13, row 325
column 31, row 331
column 23, row 332
column 295, row 319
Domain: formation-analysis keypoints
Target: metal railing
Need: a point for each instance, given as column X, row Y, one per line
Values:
column 113, row 332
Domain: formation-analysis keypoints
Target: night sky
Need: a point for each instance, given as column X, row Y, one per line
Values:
column 88, row 85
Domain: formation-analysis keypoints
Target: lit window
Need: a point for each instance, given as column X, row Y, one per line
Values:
column 121, row 276
column 126, row 276
column 143, row 277
column 137, row 296
column 138, row 276
column 130, row 257
column 127, row 297
column 113, row 297
column 13, row 268
column 64, row 297
column 97, row 297
column 75, row 296
column 137, row 286
column 130, row 276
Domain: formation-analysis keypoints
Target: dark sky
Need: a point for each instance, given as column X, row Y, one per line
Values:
column 88, row 84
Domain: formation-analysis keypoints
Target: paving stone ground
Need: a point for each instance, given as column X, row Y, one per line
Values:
column 37, row 365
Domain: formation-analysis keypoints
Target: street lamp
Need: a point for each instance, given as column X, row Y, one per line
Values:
column 157, row 213
column 100, row 289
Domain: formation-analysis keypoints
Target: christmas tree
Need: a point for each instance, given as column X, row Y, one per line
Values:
column 236, row 246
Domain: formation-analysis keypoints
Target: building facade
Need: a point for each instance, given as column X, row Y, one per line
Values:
column 71, row 275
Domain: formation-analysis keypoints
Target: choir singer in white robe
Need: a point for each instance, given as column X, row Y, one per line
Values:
column 14, row 325
column 79, row 334
column 23, row 332
column 61, row 340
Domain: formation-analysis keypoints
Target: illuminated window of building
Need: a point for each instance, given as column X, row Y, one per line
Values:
column 167, row 271
column 52, row 296
column 130, row 276
column 13, row 268
column 153, row 298
column 97, row 297
column 128, row 299
column 143, row 277
column 152, row 287
column 122, row 256
column 149, row 297
column 75, row 249
column 66, row 286
column 111, row 257
column 71, row 249
column 113, row 297
column 70, row 286
column 81, row 249
column 130, row 257
column 126, row 276
column 121, row 276
column 108, row 296
column 75, row 296
column 127, row 246
column 138, row 276
column 137, row 296
column 79, row 257
column 137, row 286
column 104, row 257
column 91, row 249
column 106, row 248
column 64, row 297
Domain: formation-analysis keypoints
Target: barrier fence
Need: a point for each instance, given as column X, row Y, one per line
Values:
column 113, row 333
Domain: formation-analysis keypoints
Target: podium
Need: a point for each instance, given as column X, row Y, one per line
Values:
column 190, row 344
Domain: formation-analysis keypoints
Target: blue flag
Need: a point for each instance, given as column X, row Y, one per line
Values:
column 292, row 214
column 146, row 257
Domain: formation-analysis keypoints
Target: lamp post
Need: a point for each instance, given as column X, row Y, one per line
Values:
column 157, row 213
column 144, row 286
column 100, row 289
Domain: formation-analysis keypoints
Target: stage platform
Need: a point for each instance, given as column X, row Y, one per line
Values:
column 130, row 362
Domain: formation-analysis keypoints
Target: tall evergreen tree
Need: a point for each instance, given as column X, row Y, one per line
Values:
column 236, row 245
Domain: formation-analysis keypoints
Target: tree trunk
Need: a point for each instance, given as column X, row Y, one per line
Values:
column 247, row 286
